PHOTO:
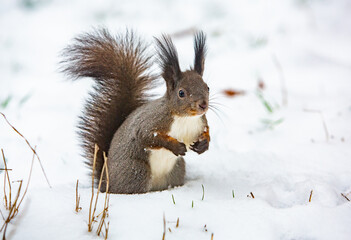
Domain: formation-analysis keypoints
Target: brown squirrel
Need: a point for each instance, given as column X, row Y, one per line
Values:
column 144, row 139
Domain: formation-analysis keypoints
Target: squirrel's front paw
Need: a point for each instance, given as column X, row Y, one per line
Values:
column 200, row 146
column 179, row 149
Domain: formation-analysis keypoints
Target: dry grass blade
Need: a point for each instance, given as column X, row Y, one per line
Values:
column 14, row 207
column 177, row 225
column 106, row 230
column 309, row 200
column 252, row 195
column 107, row 199
column 77, row 198
column 173, row 199
column 104, row 214
column 345, row 196
column 212, row 236
column 164, row 227
column 13, row 211
column 30, row 146
column 6, row 176
column 203, row 192
column 91, row 217
column 98, row 191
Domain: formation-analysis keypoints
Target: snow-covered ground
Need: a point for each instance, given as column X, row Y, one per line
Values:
column 280, row 157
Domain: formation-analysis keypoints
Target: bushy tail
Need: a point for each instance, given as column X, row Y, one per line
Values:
column 118, row 65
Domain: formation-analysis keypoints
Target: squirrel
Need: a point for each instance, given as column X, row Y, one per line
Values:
column 145, row 140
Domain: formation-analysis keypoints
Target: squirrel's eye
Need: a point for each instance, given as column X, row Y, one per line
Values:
column 181, row 93
column 208, row 88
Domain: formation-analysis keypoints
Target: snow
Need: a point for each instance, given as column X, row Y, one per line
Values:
column 304, row 42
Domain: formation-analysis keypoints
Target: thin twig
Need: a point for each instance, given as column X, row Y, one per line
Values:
column 309, row 200
column 14, row 207
column 6, row 175
column 106, row 230
column 164, row 227
column 345, row 197
column 12, row 212
column 90, row 223
column 107, row 197
column 98, row 191
column 29, row 145
column 252, row 195
column 203, row 192
column 77, row 198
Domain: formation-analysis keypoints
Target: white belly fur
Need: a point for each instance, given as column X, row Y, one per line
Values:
column 184, row 129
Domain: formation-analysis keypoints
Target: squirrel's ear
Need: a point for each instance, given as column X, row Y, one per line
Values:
column 168, row 59
column 200, row 52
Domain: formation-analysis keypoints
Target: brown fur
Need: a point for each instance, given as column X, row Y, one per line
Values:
column 118, row 65
column 120, row 118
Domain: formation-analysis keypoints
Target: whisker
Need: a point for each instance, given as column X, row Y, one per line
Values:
column 216, row 97
column 213, row 103
column 216, row 113
column 215, row 94
column 220, row 111
column 213, row 107
column 218, row 106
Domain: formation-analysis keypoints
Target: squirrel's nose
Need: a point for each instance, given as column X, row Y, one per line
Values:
column 203, row 105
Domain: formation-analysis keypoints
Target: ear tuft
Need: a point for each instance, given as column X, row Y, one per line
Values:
column 200, row 52
column 168, row 59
